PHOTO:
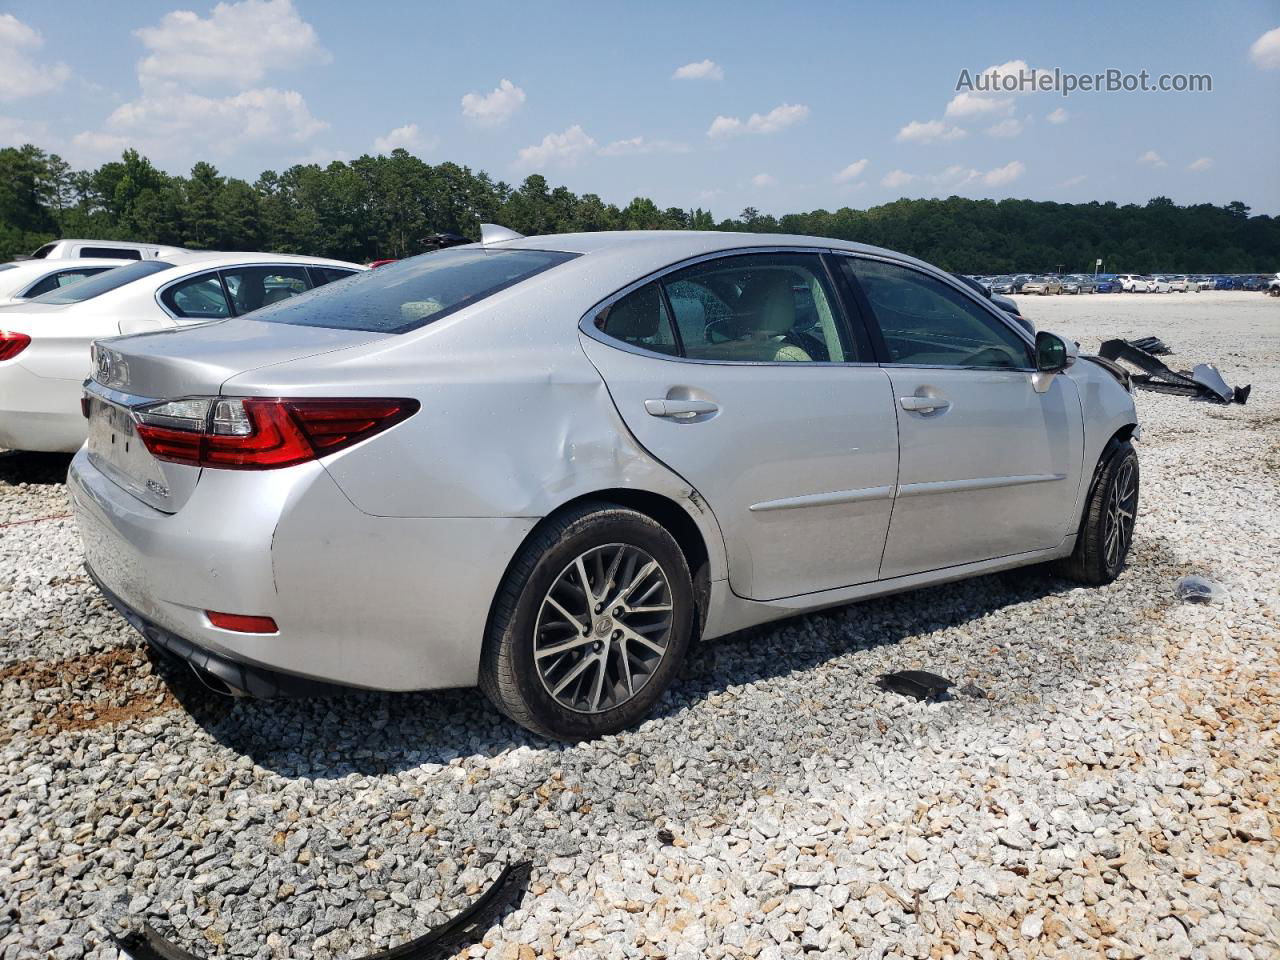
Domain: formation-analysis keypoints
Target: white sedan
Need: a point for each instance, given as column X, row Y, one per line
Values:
column 44, row 342
column 25, row 279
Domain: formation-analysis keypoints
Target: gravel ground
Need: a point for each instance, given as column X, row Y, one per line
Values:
column 1116, row 793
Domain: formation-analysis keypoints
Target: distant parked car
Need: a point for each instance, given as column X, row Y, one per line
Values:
column 1254, row 283
column 1159, row 284
column 1204, row 282
column 1106, row 283
column 1001, row 284
column 104, row 250
column 1181, row 284
column 31, row 278
column 1273, row 285
column 44, row 342
column 1042, row 286
column 1134, row 283
column 1078, row 283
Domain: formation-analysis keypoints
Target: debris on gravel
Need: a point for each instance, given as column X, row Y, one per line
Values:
column 1116, row 791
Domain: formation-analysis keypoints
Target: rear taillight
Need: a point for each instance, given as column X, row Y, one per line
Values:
column 12, row 344
column 252, row 433
column 241, row 623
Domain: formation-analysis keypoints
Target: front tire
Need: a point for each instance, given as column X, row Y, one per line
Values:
column 572, row 663
column 1106, row 531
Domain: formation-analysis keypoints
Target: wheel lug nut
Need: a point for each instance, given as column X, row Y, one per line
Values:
column 617, row 634
column 617, row 612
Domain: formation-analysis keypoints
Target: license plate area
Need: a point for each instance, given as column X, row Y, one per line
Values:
column 115, row 448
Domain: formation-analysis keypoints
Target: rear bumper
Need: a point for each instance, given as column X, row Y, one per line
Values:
column 39, row 413
column 360, row 601
column 232, row 676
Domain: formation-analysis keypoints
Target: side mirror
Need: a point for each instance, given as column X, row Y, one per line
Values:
column 1054, row 353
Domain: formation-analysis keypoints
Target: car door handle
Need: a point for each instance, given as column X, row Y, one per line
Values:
column 679, row 408
column 923, row 404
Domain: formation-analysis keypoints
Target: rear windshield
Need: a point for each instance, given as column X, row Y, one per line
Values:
column 92, row 287
column 412, row 293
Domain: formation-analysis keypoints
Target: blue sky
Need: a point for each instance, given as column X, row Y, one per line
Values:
column 785, row 107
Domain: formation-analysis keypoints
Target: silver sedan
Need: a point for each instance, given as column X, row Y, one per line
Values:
column 546, row 465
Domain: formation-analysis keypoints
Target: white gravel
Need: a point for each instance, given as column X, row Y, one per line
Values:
column 1117, row 794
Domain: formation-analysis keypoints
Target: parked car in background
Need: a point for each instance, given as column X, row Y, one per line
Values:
column 1042, row 286
column 104, row 250
column 1204, row 282
column 1106, row 283
column 1183, row 284
column 1273, row 285
column 1159, row 284
column 25, row 279
column 1134, row 283
column 44, row 342
column 1001, row 284
column 1078, row 283
column 1254, row 282
column 694, row 433
column 1222, row 282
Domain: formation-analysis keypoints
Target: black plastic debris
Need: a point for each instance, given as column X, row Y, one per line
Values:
column 1153, row 345
column 970, row 690
column 441, row 941
column 1204, row 382
column 1197, row 589
column 666, row 837
column 915, row 683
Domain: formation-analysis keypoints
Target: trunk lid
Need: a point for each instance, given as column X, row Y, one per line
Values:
column 173, row 364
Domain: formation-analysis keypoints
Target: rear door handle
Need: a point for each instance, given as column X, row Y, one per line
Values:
column 923, row 404
column 679, row 408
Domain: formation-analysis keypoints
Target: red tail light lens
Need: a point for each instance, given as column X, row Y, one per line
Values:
column 241, row 623
column 251, row 433
column 12, row 344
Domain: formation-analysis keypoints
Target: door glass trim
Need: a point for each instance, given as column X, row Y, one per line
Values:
column 587, row 324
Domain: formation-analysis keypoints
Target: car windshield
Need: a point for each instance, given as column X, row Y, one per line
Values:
column 92, row 287
column 412, row 293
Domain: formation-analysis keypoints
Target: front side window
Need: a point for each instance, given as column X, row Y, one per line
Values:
column 411, row 293
column 198, row 298
column 63, row 278
column 104, row 282
column 926, row 322
column 252, row 288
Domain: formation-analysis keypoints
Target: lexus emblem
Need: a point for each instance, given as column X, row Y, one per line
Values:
column 103, row 371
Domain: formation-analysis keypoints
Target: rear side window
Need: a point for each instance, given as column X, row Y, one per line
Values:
column 640, row 319
column 199, row 298
column 322, row 275
column 252, row 288
column 104, row 282
column 63, row 278
column 43, row 252
column 409, row 294
column 109, row 253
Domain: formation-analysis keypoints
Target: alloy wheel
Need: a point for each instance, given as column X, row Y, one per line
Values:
column 603, row 628
column 1122, row 504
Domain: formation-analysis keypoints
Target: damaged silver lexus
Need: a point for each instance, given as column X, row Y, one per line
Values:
column 545, row 465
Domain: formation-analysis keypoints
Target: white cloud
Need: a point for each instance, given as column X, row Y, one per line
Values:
column 1010, row 172
column 852, row 172
column 896, row 178
column 408, row 137
column 15, row 131
column 563, row 149
column 236, row 46
column 639, row 145
column 701, row 70
column 1152, row 159
column 1057, row 116
column 1009, row 127
column 495, row 107
column 20, row 76
column 992, row 97
column 966, row 104
column 1265, row 51
column 197, row 124
column 763, row 180
column 1198, row 166
column 928, row 132
column 777, row 119
column 1074, row 181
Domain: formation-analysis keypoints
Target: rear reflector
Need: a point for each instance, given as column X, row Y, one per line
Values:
column 254, row 433
column 241, row 623
column 12, row 344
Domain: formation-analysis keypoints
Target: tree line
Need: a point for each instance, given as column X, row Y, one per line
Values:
column 391, row 206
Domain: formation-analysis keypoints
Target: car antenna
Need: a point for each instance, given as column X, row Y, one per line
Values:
column 491, row 233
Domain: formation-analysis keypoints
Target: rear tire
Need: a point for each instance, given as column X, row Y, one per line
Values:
column 1106, row 530
column 616, row 658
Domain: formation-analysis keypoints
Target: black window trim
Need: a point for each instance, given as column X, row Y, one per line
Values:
column 587, row 324
column 26, row 293
column 881, row 347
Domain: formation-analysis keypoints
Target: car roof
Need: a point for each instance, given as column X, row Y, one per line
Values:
column 222, row 258
column 70, row 263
